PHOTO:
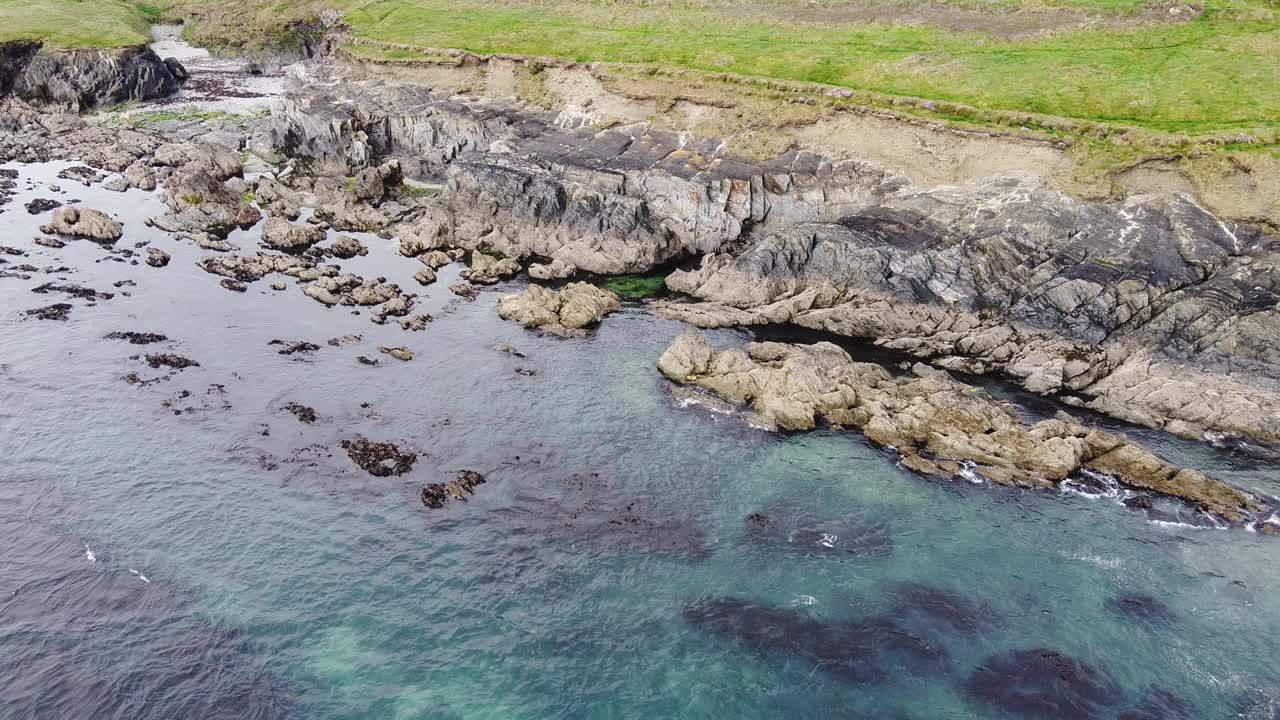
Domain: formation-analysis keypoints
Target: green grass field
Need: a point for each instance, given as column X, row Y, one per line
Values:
column 73, row 23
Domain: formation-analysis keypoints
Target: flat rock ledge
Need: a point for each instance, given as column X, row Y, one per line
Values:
column 940, row 426
column 569, row 311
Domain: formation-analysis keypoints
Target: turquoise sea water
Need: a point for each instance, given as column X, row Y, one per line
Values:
column 606, row 569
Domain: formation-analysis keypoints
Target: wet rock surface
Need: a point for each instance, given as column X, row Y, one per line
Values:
column 380, row 459
column 435, row 495
column 940, row 426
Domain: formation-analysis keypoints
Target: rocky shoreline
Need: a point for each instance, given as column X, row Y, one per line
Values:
column 1152, row 310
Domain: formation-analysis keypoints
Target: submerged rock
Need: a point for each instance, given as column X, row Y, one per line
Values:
column 1043, row 683
column 565, row 312
column 84, row 222
column 1140, row 606
column 859, row 651
column 435, row 495
column 940, row 426
column 850, row 536
column 380, row 459
column 942, row 606
column 75, row 291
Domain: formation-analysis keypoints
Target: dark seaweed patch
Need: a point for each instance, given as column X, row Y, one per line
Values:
column 380, row 459
column 859, row 651
column 1140, row 606
column 945, row 607
column 136, row 338
column 1044, row 683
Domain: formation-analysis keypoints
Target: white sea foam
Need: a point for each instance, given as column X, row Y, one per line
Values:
column 141, row 577
column 968, row 473
column 691, row 401
column 804, row 600
column 828, row 540
column 88, row 553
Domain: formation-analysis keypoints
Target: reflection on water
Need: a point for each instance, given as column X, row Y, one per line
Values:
column 632, row 554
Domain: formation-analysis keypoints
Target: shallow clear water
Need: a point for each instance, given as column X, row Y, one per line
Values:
column 284, row 582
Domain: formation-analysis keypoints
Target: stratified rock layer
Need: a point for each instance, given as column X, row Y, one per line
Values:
column 940, row 426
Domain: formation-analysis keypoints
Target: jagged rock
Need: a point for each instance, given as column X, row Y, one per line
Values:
column 157, row 258
column 280, row 234
column 398, row 306
column 465, row 291
column 555, row 270
column 141, row 176
column 568, row 311
column 49, row 242
column 370, row 184
column 84, row 79
column 940, row 426
column 277, row 199
column 221, row 163
column 200, row 202
column 425, row 275
column 116, row 184
column 251, row 268
column 347, row 247
column 177, row 69
column 233, row 284
column 487, row 270
column 416, row 323
column 84, row 222
column 435, row 259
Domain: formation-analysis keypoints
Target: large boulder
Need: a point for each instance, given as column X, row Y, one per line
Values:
column 566, row 312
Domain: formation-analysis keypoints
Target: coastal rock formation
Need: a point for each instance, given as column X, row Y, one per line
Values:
column 83, row 79
column 280, row 234
column 564, row 312
column 939, row 426
column 85, row 223
column 1153, row 311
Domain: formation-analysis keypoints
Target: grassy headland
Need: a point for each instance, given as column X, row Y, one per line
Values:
column 74, row 23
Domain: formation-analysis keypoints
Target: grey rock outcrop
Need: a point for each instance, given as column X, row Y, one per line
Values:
column 565, row 312
column 1152, row 310
column 938, row 425
column 280, row 234
column 83, row 79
